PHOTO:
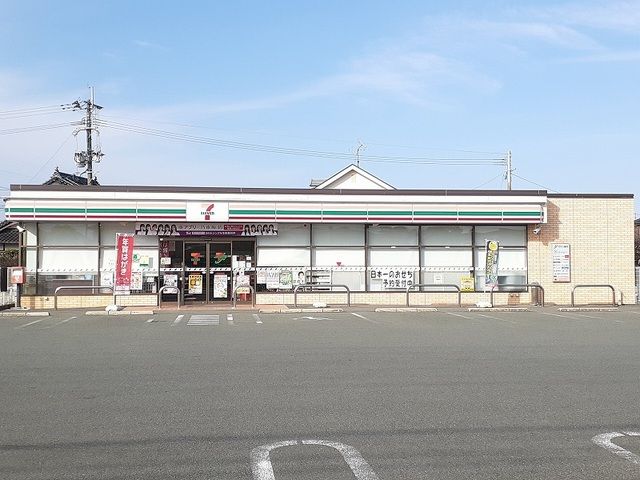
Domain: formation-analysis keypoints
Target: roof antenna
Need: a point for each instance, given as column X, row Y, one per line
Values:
column 361, row 146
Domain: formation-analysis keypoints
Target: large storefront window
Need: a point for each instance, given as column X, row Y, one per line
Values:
column 512, row 257
column 284, row 261
column 363, row 257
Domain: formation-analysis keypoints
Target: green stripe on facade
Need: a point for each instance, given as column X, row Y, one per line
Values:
column 480, row 214
column 252, row 212
column 521, row 214
column 59, row 210
column 298, row 212
column 445, row 214
column 111, row 210
column 177, row 211
column 344, row 212
column 19, row 209
column 391, row 213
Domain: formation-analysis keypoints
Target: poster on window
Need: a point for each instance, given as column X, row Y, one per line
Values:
column 492, row 248
column 273, row 279
column 242, row 284
column 171, row 282
column 220, row 285
column 124, row 260
column 136, row 281
column 195, row 284
column 286, row 280
column 393, row 279
column 561, row 262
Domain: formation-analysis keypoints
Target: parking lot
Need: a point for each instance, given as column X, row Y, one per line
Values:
column 451, row 394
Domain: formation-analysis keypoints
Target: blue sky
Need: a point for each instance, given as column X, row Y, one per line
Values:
column 554, row 82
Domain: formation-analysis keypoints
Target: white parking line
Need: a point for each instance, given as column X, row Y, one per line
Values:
column 458, row 315
column 204, row 320
column 30, row 323
column 263, row 470
column 604, row 440
column 556, row 315
column 60, row 322
column 178, row 319
column 230, row 319
column 257, row 318
column 499, row 319
column 364, row 318
column 150, row 320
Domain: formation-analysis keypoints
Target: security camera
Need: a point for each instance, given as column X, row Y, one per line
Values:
column 20, row 228
column 536, row 231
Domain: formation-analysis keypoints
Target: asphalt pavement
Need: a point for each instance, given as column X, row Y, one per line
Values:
column 220, row 395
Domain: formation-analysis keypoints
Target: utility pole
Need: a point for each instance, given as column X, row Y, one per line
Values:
column 509, row 170
column 86, row 158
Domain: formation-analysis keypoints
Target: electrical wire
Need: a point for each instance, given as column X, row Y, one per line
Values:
column 51, row 158
column 291, row 151
column 34, row 128
column 487, row 182
column 534, row 183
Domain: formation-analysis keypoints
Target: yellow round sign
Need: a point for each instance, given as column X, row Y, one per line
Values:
column 493, row 246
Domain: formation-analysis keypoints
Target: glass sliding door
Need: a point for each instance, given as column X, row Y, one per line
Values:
column 195, row 271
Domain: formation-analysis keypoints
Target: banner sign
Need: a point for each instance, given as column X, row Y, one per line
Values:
column 492, row 248
column 207, row 229
column 124, row 259
column 561, row 262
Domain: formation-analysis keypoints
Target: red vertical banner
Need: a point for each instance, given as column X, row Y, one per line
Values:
column 124, row 259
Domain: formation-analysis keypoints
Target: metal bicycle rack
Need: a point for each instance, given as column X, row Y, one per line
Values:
column 251, row 289
column 167, row 287
column 79, row 287
column 613, row 292
column 522, row 285
column 436, row 285
column 324, row 286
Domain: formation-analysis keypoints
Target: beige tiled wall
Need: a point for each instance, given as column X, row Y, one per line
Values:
column 600, row 234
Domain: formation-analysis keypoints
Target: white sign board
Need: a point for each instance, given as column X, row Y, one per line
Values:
column 561, row 253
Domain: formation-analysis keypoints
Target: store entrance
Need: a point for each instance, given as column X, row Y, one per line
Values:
column 213, row 268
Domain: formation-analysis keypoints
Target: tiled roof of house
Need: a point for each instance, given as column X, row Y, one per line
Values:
column 61, row 178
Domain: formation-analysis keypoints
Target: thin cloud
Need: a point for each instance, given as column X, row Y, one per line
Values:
column 608, row 57
column 149, row 45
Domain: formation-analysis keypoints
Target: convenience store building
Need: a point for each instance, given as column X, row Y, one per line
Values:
column 352, row 229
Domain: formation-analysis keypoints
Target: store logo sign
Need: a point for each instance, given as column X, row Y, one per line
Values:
column 207, row 212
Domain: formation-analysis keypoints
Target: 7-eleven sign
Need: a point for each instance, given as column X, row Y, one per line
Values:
column 207, row 212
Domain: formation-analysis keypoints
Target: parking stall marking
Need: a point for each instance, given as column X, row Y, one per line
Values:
column 604, row 440
column 230, row 319
column 365, row 318
column 263, row 470
column 257, row 318
column 30, row 323
column 204, row 320
column 458, row 315
column 499, row 319
column 177, row 320
column 60, row 322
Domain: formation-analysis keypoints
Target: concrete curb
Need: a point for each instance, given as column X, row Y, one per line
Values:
column 405, row 309
column 24, row 314
column 499, row 309
column 588, row 309
column 301, row 310
column 119, row 312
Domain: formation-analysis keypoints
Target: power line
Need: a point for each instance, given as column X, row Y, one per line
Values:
column 534, row 183
column 34, row 128
column 51, row 157
column 292, row 151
